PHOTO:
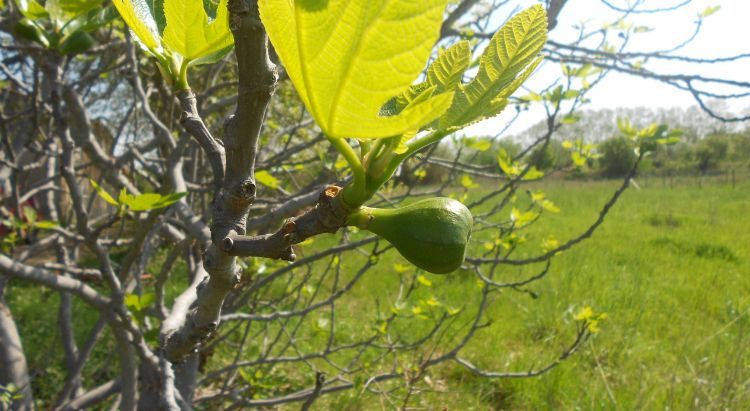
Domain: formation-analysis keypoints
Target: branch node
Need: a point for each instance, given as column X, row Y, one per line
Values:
column 289, row 227
column 184, row 116
column 227, row 244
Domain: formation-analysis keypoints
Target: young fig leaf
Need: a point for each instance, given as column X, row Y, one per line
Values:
column 509, row 59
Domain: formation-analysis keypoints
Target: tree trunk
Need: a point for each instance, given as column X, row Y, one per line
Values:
column 13, row 368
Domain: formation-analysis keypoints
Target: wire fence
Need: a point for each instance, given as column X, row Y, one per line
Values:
column 728, row 177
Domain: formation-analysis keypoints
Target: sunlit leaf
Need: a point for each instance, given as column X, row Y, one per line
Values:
column 509, row 59
column 31, row 9
column 143, row 202
column 137, row 16
column 265, row 178
column 424, row 281
column 347, row 58
column 189, row 31
column 151, row 201
column 30, row 30
column 30, row 214
column 73, row 8
column 46, row 224
column 468, row 182
column 480, row 145
column 709, row 11
column 103, row 194
column 448, row 69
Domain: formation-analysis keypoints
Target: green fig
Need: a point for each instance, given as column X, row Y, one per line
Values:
column 432, row 233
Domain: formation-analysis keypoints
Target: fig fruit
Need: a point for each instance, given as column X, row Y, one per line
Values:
column 432, row 233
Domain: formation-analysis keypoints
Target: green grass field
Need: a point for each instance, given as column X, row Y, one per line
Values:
column 670, row 267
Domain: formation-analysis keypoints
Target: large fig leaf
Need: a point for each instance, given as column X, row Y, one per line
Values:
column 137, row 16
column 189, row 32
column 347, row 58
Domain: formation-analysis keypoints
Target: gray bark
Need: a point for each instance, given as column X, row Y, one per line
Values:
column 13, row 368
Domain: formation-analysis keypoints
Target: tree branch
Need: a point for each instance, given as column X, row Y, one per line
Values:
column 24, row 272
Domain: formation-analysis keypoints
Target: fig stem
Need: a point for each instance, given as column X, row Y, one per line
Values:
column 355, row 194
column 360, row 218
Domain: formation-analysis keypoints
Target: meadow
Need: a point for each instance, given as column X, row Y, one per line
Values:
column 669, row 266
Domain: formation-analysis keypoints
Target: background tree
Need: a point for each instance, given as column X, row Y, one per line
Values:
column 617, row 156
column 124, row 209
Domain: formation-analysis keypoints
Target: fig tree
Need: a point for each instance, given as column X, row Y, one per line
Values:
column 432, row 233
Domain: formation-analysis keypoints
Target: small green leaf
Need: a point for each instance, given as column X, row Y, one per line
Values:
column 626, row 127
column 578, row 159
column 77, row 42
column 709, row 11
column 103, row 194
column 521, row 219
column 90, row 21
column 402, row 268
column 265, row 178
column 78, row 7
column 147, row 299
column 480, row 144
column 124, row 197
column 30, row 214
column 151, row 201
column 31, row 9
column 170, row 199
column 532, row 97
column 533, row 174
column 505, row 162
column 132, row 301
column 137, row 303
column 571, row 94
column 550, row 206
column 46, row 224
column 142, row 202
column 424, row 281
column 468, row 182
column 29, row 30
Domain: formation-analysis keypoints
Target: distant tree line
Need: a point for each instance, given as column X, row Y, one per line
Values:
column 706, row 145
